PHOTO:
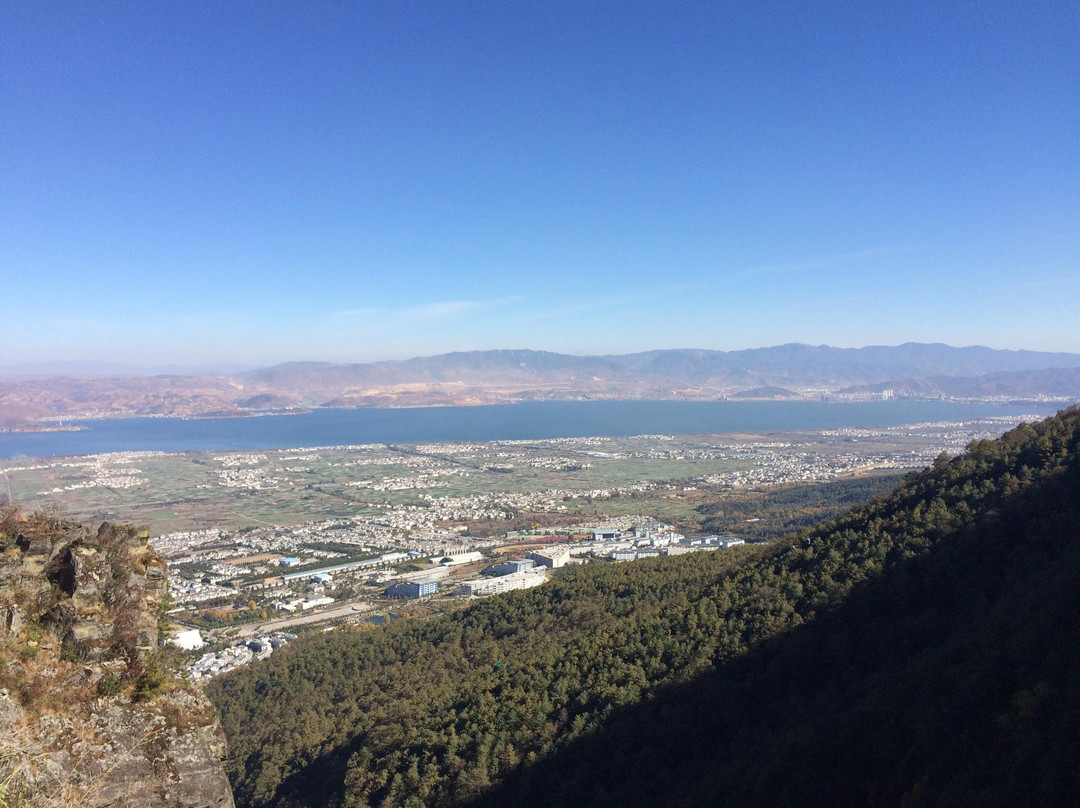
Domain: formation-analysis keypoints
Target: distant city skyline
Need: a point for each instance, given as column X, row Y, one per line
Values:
column 261, row 182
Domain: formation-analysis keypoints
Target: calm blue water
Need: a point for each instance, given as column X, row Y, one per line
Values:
column 549, row 419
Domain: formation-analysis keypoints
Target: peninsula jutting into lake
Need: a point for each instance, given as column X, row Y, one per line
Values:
column 910, row 372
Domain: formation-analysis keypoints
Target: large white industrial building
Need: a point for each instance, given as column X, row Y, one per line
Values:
column 463, row 556
column 503, row 583
column 553, row 557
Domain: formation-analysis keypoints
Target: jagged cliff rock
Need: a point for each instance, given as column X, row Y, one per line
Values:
column 89, row 715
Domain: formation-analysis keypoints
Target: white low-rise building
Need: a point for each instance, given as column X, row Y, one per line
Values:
column 455, row 557
column 502, row 583
column 424, row 576
column 553, row 557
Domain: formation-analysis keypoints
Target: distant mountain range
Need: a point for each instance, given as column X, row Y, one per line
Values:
column 503, row 376
column 1061, row 383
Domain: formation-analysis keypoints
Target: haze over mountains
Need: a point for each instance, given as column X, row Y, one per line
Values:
column 504, row 376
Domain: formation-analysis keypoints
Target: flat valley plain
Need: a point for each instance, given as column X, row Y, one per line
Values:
column 232, row 524
column 480, row 489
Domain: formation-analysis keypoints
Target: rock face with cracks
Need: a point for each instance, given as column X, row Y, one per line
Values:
column 89, row 716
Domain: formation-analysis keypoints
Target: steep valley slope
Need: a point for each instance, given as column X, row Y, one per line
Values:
column 920, row 649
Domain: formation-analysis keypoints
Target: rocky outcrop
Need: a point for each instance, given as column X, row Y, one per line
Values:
column 118, row 755
column 97, row 594
column 89, row 715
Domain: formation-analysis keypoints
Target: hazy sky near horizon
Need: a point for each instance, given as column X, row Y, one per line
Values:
column 253, row 182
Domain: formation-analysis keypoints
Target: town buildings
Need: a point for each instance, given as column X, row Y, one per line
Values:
column 413, row 589
column 460, row 556
column 503, row 583
column 511, row 566
column 552, row 557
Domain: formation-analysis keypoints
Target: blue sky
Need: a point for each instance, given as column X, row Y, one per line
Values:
column 199, row 183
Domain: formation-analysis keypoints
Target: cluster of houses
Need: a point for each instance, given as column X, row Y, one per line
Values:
column 623, row 543
column 612, row 544
column 238, row 655
column 646, row 542
column 312, row 601
column 503, row 576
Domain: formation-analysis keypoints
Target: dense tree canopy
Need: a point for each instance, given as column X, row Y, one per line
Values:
column 762, row 515
column 918, row 649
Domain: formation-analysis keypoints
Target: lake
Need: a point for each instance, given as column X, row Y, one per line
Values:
column 529, row 420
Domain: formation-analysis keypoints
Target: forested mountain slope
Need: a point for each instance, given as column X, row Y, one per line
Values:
column 920, row 649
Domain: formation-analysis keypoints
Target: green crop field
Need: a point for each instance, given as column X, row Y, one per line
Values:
column 667, row 476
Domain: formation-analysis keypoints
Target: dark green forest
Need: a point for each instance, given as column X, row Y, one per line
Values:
column 785, row 509
column 920, row 649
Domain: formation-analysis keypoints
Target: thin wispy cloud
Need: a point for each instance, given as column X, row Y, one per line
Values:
column 439, row 310
column 445, row 308
column 825, row 262
column 847, row 300
column 722, row 279
column 594, row 304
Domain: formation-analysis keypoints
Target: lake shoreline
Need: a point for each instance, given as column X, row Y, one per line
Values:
column 500, row 422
